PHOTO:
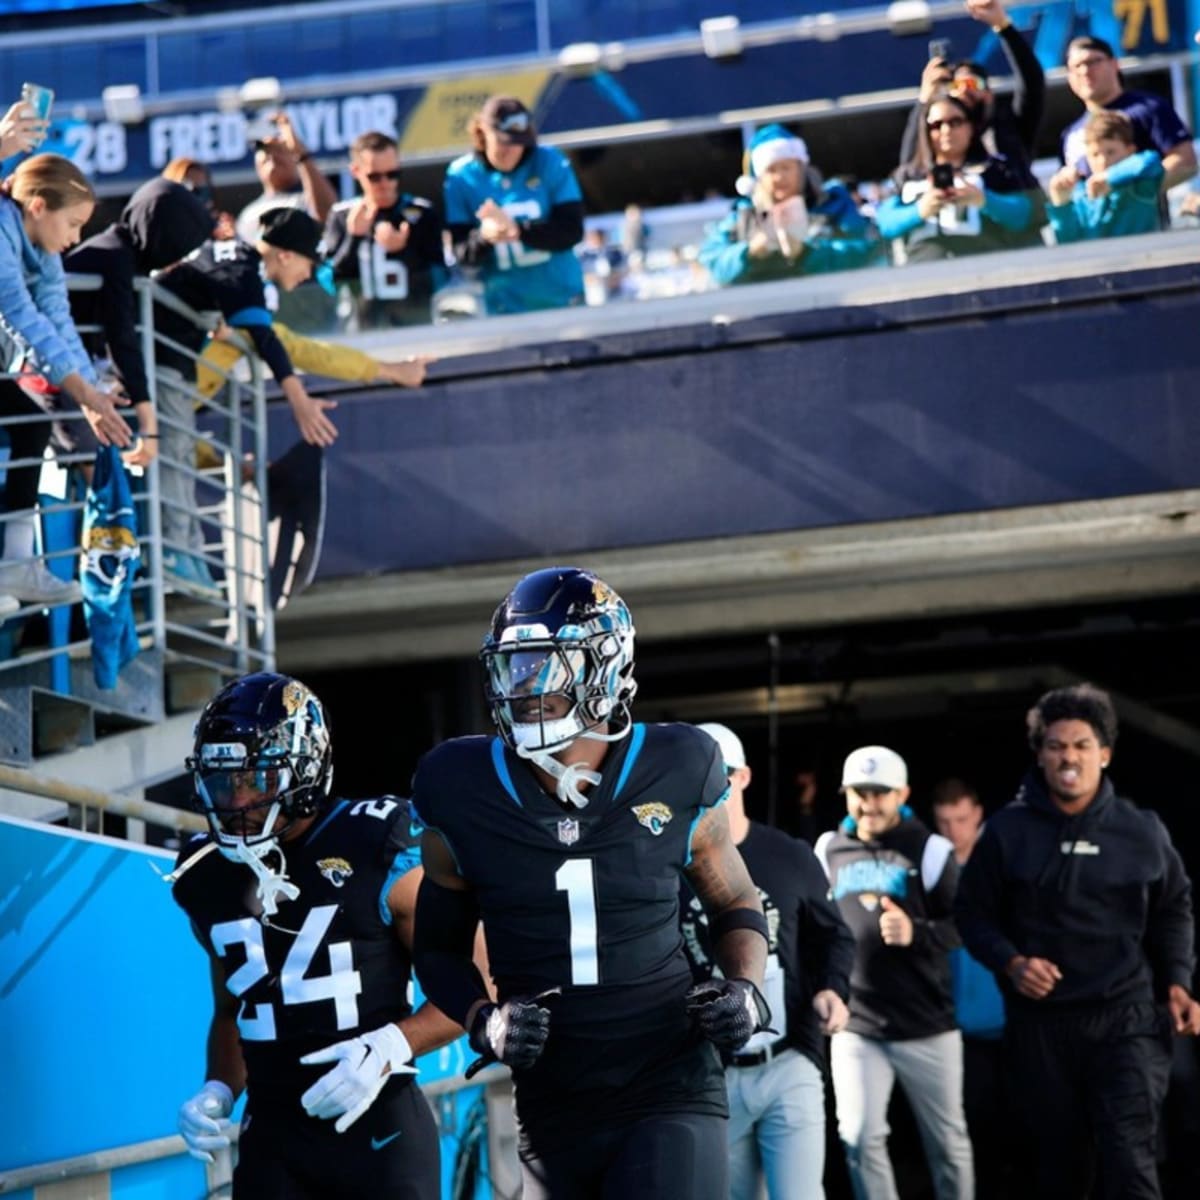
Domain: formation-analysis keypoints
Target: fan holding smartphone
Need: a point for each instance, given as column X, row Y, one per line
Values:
column 23, row 128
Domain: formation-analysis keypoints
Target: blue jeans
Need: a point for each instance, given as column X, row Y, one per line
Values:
column 777, row 1129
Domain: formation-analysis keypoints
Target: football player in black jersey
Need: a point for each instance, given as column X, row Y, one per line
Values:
column 566, row 835
column 305, row 906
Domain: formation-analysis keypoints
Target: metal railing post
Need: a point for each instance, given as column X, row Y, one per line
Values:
column 158, row 609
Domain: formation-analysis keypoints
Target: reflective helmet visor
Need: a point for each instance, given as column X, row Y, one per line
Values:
column 540, row 671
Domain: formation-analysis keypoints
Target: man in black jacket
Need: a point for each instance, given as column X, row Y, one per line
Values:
column 162, row 223
column 1080, row 905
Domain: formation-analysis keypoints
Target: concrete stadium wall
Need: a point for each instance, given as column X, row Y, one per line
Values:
column 799, row 414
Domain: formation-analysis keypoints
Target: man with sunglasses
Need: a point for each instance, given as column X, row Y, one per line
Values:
column 386, row 243
column 894, row 883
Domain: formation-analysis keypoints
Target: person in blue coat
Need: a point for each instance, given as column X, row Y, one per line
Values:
column 44, row 205
column 1122, row 190
column 785, row 222
column 515, row 213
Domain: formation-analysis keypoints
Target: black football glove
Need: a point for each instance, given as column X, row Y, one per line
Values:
column 728, row 1011
column 513, row 1033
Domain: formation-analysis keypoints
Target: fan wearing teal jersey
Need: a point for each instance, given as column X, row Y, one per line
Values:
column 515, row 213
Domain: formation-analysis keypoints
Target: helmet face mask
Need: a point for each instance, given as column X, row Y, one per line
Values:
column 558, row 660
column 262, row 761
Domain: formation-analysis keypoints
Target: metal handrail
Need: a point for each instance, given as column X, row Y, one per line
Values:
column 135, row 1153
column 18, row 780
column 229, row 633
column 96, row 1163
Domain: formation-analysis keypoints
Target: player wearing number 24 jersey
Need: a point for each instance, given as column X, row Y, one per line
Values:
column 304, row 905
column 567, row 835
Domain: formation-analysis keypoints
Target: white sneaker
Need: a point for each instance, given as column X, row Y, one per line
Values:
column 28, row 581
column 8, row 605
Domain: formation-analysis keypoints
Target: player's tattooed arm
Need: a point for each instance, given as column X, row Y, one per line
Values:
column 719, row 878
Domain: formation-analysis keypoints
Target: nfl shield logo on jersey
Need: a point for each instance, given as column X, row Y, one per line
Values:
column 568, row 831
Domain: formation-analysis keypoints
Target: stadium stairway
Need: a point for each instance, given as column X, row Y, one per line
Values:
column 121, row 740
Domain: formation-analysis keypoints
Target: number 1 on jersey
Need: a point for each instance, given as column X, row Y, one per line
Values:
column 575, row 878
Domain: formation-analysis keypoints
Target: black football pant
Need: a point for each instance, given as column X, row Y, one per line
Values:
column 680, row 1156
column 1090, row 1086
column 390, row 1152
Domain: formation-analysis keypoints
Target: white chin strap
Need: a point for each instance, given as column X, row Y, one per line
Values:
column 566, row 777
column 560, row 734
column 271, row 883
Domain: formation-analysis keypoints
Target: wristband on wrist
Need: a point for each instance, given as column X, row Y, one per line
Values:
column 1005, row 24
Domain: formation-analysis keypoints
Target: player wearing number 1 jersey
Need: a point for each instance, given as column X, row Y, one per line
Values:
column 515, row 213
column 304, row 905
column 567, row 836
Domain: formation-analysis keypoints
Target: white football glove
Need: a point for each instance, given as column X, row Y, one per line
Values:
column 364, row 1065
column 204, row 1119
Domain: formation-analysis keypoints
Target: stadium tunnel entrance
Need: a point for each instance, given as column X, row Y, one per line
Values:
column 950, row 694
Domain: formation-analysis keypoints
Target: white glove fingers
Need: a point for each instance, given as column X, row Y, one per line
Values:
column 329, row 1054
column 202, row 1155
column 348, row 1118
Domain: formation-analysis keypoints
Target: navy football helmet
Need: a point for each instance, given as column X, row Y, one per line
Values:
column 264, row 734
column 559, row 632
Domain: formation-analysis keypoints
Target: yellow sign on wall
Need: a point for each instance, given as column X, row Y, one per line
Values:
column 439, row 122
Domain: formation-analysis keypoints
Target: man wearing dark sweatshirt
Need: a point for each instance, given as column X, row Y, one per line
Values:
column 1079, row 903
column 162, row 223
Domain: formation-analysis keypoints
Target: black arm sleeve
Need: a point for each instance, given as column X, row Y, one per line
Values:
column 1170, row 930
column 469, row 247
column 561, row 229
column 979, row 906
column 114, row 309
column 119, row 319
column 443, row 943
column 340, row 248
column 270, row 350
column 1029, row 90
column 425, row 247
column 826, row 940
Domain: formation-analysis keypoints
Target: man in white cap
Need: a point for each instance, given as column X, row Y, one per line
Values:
column 776, row 1081
column 894, row 882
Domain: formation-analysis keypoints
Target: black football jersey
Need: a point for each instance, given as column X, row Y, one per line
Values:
column 587, row 901
column 225, row 277
column 328, row 965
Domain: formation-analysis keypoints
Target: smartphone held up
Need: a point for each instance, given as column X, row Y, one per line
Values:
column 39, row 101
